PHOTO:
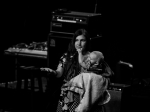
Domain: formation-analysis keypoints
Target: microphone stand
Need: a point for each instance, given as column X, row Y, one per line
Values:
column 95, row 10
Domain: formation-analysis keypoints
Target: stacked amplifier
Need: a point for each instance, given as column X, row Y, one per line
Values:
column 69, row 22
column 62, row 27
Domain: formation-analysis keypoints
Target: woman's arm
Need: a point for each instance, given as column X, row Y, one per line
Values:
column 60, row 68
column 57, row 72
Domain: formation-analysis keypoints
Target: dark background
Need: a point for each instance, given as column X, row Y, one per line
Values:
column 25, row 22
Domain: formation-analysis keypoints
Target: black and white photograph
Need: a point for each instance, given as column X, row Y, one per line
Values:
column 74, row 56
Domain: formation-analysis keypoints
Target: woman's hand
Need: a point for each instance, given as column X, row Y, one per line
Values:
column 79, row 50
column 47, row 70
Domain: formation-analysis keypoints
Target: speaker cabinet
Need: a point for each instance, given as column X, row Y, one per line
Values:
column 57, row 46
column 119, row 95
column 115, row 102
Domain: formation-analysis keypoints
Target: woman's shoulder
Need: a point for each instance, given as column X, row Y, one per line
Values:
column 96, row 55
column 64, row 55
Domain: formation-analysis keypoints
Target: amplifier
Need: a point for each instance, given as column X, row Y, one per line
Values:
column 120, row 98
column 57, row 46
column 69, row 22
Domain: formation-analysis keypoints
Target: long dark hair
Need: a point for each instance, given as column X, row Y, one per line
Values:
column 72, row 57
column 71, row 47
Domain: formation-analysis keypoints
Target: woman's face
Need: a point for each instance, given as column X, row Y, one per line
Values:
column 80, row 43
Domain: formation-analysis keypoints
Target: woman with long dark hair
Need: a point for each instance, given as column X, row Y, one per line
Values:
column 85, row 77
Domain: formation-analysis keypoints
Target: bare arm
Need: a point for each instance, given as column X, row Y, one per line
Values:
column 58, row 72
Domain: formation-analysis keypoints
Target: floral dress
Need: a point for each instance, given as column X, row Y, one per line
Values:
column 88, row 90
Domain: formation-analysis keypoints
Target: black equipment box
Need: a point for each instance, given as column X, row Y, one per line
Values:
column 57, row 46
column 69, row 22
column 120, row 98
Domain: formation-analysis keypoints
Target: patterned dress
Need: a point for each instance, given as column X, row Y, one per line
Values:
column 87, row 91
